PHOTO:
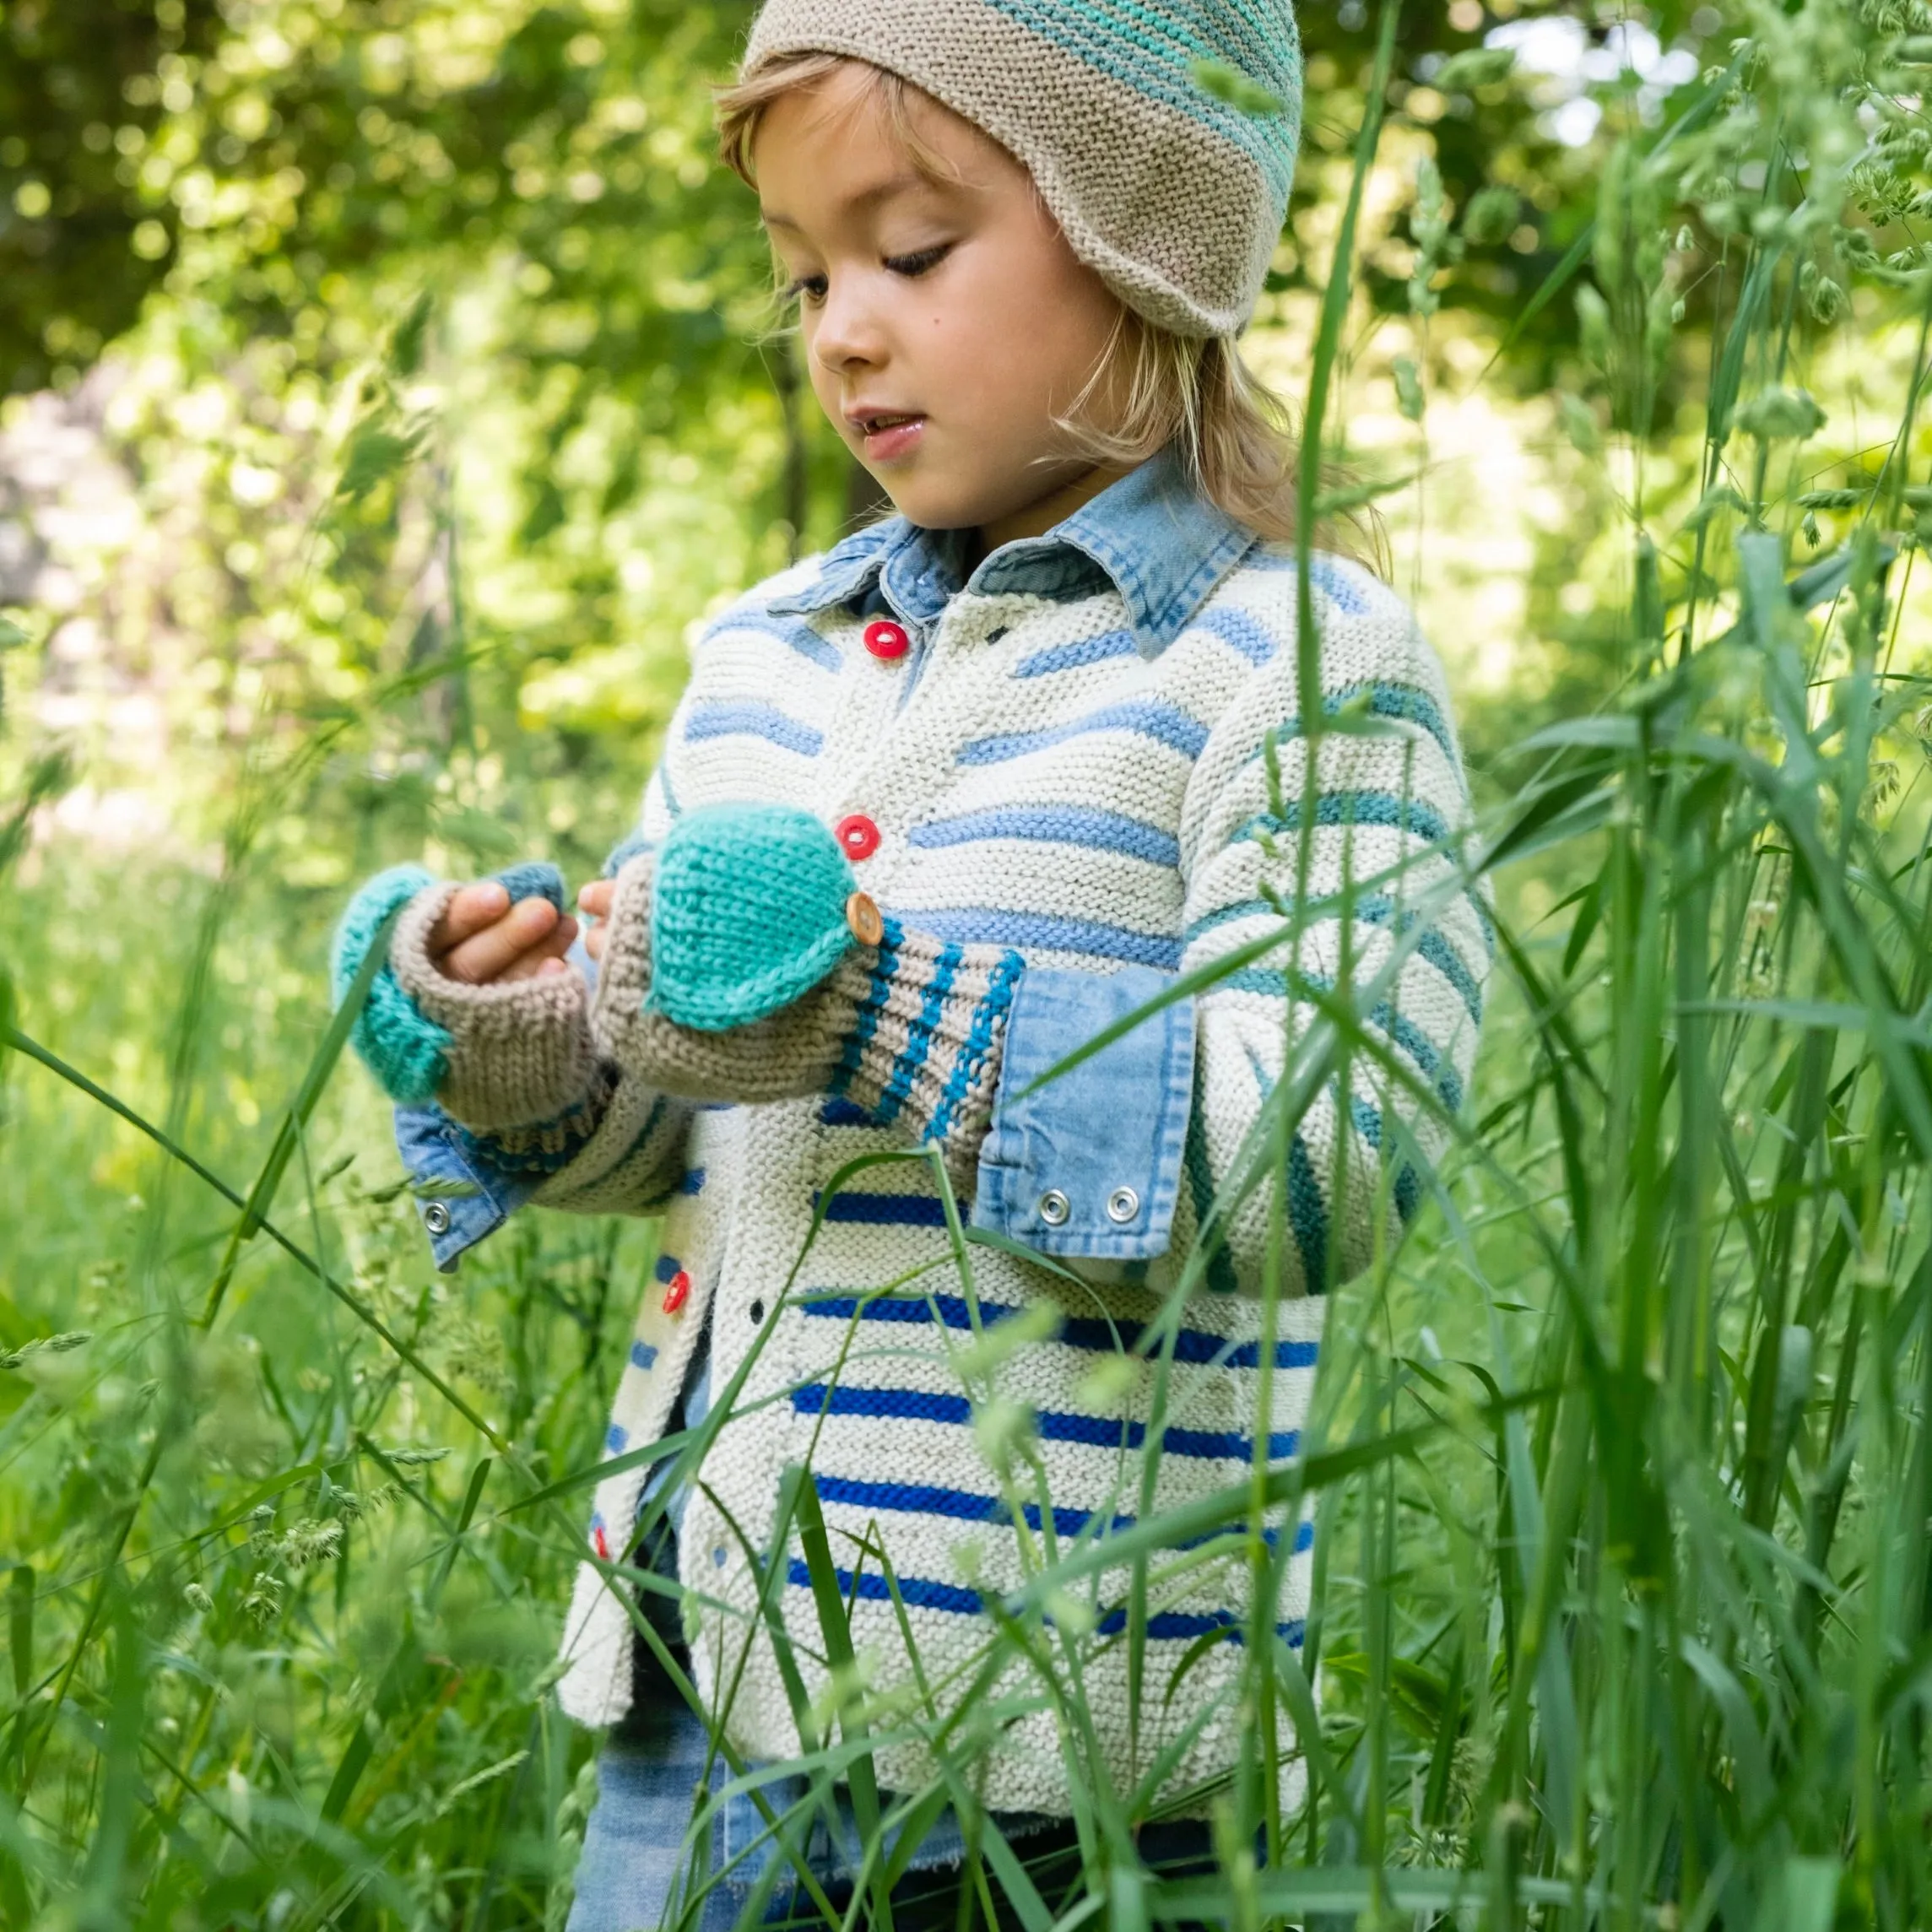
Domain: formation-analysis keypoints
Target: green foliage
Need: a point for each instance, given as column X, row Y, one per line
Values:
column 1620, row 1456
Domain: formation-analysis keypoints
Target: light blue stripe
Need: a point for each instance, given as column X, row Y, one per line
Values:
column 792, row 631
column 1333, row 809
column 1375, row 909
column 718, row 718
column 1053, row 824
column 643, row 1355
column 991, row 925
column 615, row 1439
column 1081, row 650
column 1146, row 718
column 1240, row 630
column 1407, row 704
column 1329, row 575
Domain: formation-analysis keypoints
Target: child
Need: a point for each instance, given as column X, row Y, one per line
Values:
column 938, row 808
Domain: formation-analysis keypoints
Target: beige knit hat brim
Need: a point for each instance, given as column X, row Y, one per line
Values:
column 1173, row 219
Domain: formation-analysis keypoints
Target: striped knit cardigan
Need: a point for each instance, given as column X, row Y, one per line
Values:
column 1050, row 785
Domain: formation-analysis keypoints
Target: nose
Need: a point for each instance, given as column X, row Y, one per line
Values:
column 848, row 336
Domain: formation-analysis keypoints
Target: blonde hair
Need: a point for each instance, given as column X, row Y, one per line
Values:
column 1234, row 436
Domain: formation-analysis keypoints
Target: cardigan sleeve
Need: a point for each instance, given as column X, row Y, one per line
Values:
column 1361, row 967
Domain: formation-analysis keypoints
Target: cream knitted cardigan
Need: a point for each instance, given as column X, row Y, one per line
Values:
column 1047, row 787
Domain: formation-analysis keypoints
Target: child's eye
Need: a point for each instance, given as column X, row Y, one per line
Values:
column 809, row 288
column 920, row 261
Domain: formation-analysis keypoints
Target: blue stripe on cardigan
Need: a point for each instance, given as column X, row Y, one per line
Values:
column 1054, row 1425
column 792, row 631
column 967, row 1506
column 1356, row 809
column 925, row 1592
column 1054, row 825
column 994, row 925
column 1147, row 717
column 1082, row 650
column 1193, row 1346
column 718, row 718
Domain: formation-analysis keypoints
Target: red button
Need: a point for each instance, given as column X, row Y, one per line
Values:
column 858, row 835
column 675, row 1294
column 885, row 639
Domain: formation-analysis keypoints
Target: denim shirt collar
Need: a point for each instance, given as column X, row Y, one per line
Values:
column 1160, row 543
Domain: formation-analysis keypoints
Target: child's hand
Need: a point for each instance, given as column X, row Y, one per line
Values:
column 594, row 902
column 483, row 940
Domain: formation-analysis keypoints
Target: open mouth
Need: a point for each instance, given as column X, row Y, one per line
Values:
column 888, row 433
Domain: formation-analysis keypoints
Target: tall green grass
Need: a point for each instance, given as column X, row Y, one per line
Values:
column 1624, row 1481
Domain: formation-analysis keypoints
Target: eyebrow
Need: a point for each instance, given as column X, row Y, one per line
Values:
column 865, row 198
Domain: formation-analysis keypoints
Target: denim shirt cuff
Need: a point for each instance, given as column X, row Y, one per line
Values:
column 1089, row 1165
column 482, row 1197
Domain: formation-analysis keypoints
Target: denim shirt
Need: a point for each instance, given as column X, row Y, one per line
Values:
column 1087, row 1167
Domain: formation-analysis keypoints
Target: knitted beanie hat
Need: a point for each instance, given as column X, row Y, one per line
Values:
column 1174, row 196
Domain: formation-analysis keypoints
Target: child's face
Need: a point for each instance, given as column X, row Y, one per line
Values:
column 946, row 322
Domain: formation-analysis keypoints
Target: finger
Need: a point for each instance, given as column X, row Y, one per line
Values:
column 485, row 956
column 596, row 897
column 593, row 940
column 548, row 951
column 472, row 909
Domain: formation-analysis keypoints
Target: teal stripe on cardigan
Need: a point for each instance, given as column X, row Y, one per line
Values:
column 1367, row 808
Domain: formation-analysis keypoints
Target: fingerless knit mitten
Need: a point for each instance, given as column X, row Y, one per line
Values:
column 513, row 1055
column 740, row 964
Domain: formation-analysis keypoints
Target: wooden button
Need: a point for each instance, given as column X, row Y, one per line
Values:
column 886, row 638
column 862, row 915
column 858, row 835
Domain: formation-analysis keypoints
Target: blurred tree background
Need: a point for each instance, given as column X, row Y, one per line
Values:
column 390, row 388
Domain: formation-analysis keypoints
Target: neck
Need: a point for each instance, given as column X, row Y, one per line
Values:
column 1040, row 515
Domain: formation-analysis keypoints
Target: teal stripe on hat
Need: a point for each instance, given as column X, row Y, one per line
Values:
column 1154, row 53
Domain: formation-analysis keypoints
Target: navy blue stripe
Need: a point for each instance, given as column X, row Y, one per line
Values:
column 966, row 1506
column 886, row 1211
column 716, row 718
column 1146, row 718
column 993, row 925
column 1053, row 1425
column 792, row 631
column 1358, row 809
column 1053, row 824
column 924, row 1593
column 1082, row 650
column 842, row 1112
column 1194, row 1346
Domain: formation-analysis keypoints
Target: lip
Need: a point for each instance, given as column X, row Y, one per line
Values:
column 886, row 435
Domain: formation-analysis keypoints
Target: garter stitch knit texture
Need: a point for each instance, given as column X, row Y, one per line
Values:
column 1053, row 802
column 1174, row 198
column 747, row 913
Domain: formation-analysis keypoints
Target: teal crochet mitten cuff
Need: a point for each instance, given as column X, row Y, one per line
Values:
column 494, row 1057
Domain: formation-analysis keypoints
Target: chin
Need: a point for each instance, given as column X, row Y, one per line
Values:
column 933, row 506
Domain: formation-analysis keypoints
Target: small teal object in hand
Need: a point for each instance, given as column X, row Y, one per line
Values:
column 408, row 1052
column 748, row 912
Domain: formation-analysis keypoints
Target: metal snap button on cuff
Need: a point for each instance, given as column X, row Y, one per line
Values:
column 1122, row 1204
column 1055, row 1208
column 436, row 1218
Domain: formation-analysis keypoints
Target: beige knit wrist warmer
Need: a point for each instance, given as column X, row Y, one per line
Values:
column 521, row 1051
column 908, row 1029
